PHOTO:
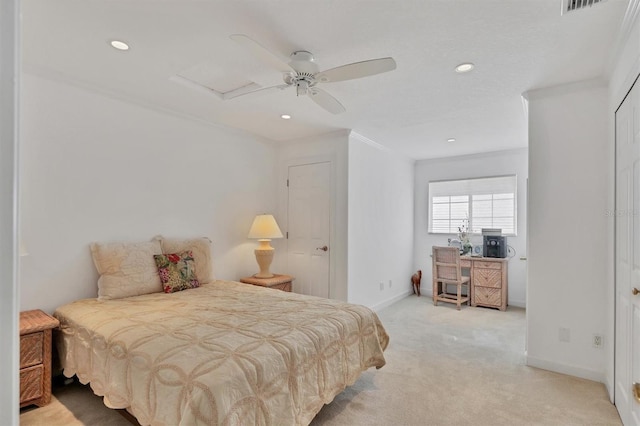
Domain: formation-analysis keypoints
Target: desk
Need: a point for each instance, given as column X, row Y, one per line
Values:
column 489, row 285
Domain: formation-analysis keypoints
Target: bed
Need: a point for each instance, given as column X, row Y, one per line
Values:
column 223, row 353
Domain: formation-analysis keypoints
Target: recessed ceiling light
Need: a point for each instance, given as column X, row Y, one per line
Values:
column 466, row 67
column 285, row 116
column 120, row 45
column 451, row 140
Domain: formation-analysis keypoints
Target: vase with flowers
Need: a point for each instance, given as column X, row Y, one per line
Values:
column 464, row 235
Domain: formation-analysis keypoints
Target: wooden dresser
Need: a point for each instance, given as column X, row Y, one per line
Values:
column 489, row 285
column 35, row 357
column 279, row 282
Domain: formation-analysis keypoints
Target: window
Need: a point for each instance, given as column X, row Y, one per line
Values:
column 485, row 202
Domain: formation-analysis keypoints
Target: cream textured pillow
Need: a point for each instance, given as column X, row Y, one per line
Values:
column 201, row 248
column 126, row 269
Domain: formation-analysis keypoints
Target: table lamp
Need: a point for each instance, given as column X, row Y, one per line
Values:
column 264, row 229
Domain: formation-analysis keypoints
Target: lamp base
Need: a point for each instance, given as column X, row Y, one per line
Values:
column 259, row 275
column 264, row 257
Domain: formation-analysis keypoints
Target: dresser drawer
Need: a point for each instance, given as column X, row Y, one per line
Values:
column 488, row 296
column 488, row 265
column 487, row 278
column 465, row 263
column 31, row 384
column 31, row 346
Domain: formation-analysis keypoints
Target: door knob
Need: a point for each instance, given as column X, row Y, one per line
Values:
column 635, row 291
column 323, row 248
column 636, row 391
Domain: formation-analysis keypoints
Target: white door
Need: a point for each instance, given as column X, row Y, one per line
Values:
column 309, row 228
column 627, row 258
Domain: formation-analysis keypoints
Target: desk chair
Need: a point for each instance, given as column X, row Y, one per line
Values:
column 447, row 272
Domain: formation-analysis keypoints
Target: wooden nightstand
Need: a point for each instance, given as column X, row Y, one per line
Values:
column 35, row 357
column 279, row 282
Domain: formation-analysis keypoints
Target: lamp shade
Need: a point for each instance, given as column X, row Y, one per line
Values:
column 264, row 228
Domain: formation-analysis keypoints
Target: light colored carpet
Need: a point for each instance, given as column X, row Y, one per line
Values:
column 444, row 367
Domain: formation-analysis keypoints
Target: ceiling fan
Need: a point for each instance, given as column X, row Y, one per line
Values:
column 303, row 73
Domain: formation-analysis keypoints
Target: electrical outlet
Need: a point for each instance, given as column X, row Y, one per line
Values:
column 390, row 283
column 564, row 335
column 381, row 286
column 597, row 341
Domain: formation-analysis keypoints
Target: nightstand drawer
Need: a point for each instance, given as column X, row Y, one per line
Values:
column 284, row 286
column 35, row 357
column 278, row 282
column 31, row 349
column 31, row 385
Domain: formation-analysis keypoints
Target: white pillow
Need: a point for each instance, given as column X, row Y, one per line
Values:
column 201, row 249
column 126, row 269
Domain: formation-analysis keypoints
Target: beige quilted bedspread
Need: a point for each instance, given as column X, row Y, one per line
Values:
column 225, row 353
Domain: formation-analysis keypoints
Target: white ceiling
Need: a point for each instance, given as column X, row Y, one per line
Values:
column 516, row 45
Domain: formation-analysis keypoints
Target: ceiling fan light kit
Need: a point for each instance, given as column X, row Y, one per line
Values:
column 302, row 72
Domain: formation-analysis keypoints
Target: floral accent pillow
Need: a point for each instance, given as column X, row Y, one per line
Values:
column 201, row 249
column 177, row 271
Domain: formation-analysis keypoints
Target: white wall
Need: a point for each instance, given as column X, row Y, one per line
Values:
column 472, row 166
column 380, row 223
column 95, row 168
column 331, row 147
column 364, row 176
column 568, row 200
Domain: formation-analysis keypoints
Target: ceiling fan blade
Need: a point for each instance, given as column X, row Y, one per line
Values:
column 243, row 91
column 325, row 100
column 262, row 53
column 356, row 70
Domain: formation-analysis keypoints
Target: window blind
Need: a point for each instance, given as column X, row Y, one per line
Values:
column 484, row 202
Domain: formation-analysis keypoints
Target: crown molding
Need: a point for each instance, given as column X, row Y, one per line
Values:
column 566, row 88
column 512, row 151
column 380, row 147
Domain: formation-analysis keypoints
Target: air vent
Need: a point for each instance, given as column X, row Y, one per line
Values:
column 573, row 5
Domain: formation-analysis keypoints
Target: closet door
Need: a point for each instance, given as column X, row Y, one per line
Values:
column 627, row 259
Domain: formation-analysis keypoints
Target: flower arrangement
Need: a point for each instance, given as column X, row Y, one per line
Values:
column 464, row 235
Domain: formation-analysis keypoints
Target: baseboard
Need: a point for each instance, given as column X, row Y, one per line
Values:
column 382, row 305
column 610, row 386
column 571, row 370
